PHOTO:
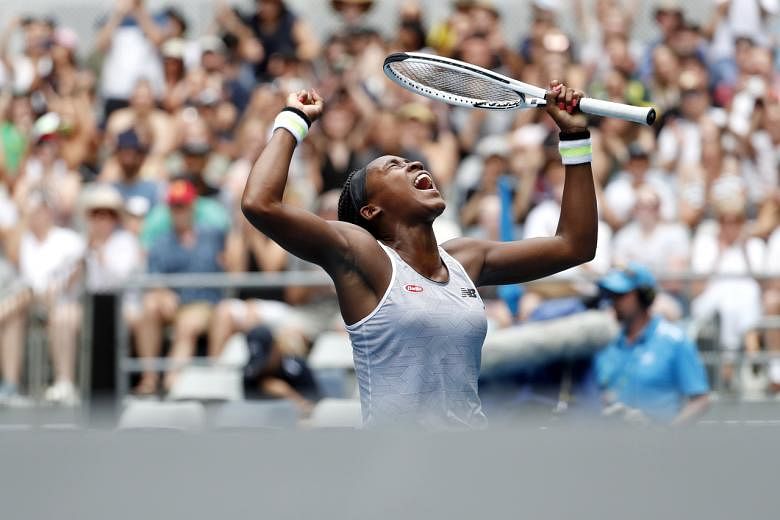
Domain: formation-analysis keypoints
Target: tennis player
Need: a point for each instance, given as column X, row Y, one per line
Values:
column 413, row 313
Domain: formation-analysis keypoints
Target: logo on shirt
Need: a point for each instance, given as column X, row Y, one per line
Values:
column 413, row 288
column 468, row 293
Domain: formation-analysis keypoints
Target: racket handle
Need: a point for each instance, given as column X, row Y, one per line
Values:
column 598, row 107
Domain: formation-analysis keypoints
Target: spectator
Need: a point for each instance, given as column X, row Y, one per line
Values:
column 428, row 135
column 651, row 371
column 494, row 178
column 541, row 221
column 130, row 39
column 270, row 372
column 680, row 140
column 17, row 121
column 195, row 158
column 112, row 253
column 669, row 17
column 352, row 12
column 772, row 308
column 620, row 194
column 129, row 156
column 46, row 169
column 49, row 257
column 664, row 247
column 280, row 32
column 154, row 127
column 295, row 315
column 14, row 305
column 337, row 149
column 187, row 248
column 730, row 20
column 724, row 248
column 174, row 74
column 29, row 69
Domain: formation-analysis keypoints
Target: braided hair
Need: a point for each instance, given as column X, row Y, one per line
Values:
column 347, row 211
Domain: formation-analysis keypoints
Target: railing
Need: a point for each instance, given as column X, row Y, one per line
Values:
column 126, row 364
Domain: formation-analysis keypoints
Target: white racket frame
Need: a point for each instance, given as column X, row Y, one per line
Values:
column 531, row 96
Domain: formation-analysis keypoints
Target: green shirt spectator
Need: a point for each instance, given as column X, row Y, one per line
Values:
column 13, row 145
column 208, row 212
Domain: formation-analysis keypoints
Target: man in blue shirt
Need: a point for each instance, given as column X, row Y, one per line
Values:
column 130, row 155
column 651, row 370
column 187, row 248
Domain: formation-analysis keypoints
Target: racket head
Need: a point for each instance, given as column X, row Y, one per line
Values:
column 459, row 83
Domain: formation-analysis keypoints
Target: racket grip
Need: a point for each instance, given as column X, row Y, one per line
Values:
column 598, row 107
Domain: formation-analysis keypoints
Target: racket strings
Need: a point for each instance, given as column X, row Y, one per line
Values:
column 454, row 82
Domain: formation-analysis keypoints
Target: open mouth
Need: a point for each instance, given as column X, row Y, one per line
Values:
column 423, row 181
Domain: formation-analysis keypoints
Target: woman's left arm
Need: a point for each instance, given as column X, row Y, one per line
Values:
column 574, row 243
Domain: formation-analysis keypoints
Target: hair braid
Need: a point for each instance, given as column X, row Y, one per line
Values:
column 347, row 211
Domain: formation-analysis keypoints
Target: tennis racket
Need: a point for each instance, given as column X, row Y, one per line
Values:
column 459, row 83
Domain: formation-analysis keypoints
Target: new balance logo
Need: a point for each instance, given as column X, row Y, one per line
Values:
column 468, row 293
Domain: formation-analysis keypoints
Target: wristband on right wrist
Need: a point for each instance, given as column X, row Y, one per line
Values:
column 575, row 148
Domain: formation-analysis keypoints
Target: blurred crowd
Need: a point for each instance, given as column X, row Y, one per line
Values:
column 131, row 157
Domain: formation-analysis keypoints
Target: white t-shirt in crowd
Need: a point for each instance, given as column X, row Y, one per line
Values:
column 707, row 258
column 9, row 215
column 772, row 266
column 131, row 58
column 761, row 174
column 111, row 264
column 685, row 144
column 620, row 194
column 737, row 298
column 51, row 259
column 542, row 221
column 743, row 19
column 664, row 248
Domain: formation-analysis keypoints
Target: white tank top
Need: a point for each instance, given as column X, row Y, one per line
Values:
column 417, row 355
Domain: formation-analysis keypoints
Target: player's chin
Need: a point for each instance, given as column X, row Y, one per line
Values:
column 436, row 205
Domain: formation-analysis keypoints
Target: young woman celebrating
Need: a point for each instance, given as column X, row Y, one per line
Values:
column 412, row 310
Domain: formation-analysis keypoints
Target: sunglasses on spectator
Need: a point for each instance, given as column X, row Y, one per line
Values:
column 102, row 212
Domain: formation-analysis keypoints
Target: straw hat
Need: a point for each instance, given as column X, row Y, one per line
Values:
column 102, row 196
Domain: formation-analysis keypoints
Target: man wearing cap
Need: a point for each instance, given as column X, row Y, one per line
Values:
column 195, row 156
column 130, row 154
column 156, row 127
column 651, row 371
column 187, row 248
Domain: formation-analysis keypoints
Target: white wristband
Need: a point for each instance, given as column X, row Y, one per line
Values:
column 293, row 123
column 579, row 151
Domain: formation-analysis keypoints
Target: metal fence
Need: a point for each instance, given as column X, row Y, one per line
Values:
column 38, row 367
column 126, row 364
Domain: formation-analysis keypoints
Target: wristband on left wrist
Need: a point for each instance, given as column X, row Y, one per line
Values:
column 294, row 121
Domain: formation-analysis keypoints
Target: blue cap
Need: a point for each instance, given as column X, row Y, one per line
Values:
column 128, row 140
column 627, row 279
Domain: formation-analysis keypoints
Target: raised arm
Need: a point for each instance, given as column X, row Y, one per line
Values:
column 103, row 39
column 300, row 232
column 495, row 263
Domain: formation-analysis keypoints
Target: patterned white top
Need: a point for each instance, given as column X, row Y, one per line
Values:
column 417, row 355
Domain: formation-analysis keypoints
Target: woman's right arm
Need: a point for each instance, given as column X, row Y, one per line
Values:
column 329, row 244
